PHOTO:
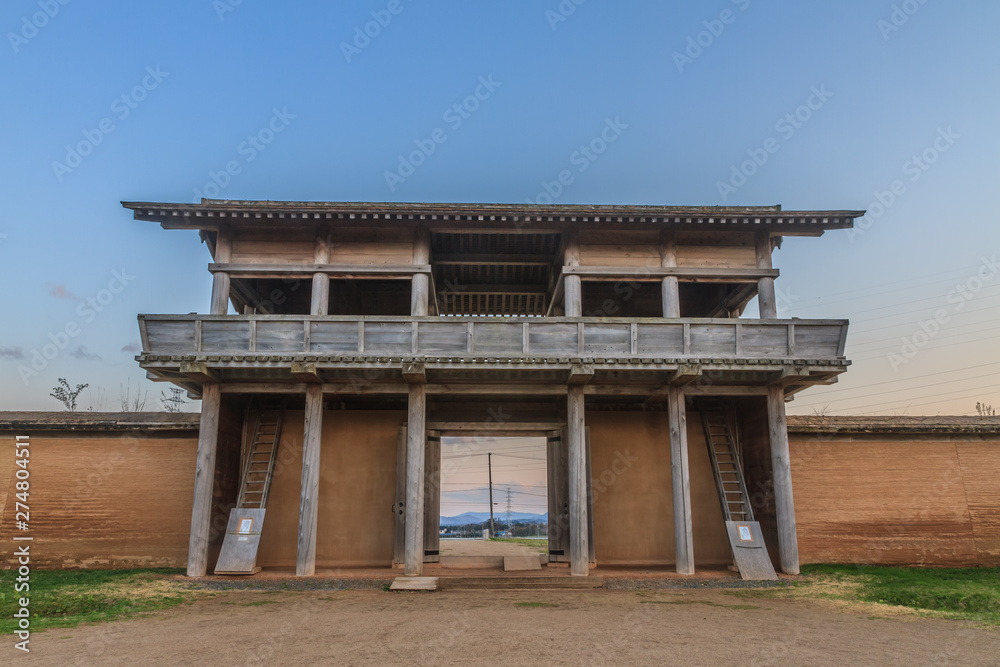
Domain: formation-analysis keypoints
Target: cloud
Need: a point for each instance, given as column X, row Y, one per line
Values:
column 60, row 292
column 81, row 352
column 134, row 347
column 11, row 353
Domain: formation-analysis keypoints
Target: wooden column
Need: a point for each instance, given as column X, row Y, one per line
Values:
column 220, row 281
column 305, row 560
column 572, row 285
column 765, row 286
column 784, row 504
column 421, row 286
column 579, row 552
column 432, row 498
column 321, row 281
column 680, row 481
column 415, row 436
column 204, row 480
column 670, row 287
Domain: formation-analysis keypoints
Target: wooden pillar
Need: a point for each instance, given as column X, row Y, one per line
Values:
column 321, row 281
column 421, row 286
column 579, row 552
column 432, row 498
column 220, row 281
column 415, row 451
column 784, row 504
column 305, row 560
column 204, row 480
column 572, row 285
column 680, row 481
column 765, row 286
column 670, row 288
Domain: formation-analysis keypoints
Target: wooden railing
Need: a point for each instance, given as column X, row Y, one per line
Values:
column 492, row 337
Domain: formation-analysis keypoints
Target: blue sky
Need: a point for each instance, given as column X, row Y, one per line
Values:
column 162, row 96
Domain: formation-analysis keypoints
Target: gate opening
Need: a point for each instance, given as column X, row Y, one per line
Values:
column 511, row 469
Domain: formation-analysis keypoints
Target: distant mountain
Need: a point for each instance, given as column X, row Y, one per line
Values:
column 479, row 517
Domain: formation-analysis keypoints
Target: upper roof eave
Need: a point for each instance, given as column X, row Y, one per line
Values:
column 199, row 215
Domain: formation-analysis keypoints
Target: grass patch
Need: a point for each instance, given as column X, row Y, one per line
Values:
column 535, row 604
column 541, row 545
column 708, row 603
column 972, row 593
column 962, row 593
column 67, row 598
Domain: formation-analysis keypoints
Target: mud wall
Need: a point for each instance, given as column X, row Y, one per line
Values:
column 633, row 507
column 103, row 500
column 897, row 500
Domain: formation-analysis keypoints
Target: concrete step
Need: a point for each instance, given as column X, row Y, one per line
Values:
column 414, row 584
column 519, row 563
column 513, row 582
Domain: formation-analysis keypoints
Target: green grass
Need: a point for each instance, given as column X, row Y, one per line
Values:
column 960, row 593
column 972, row 593
column 67, row 598
column 542, row 545
column 536, row 604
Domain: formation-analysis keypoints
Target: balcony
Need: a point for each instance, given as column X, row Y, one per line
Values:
column 411, row 337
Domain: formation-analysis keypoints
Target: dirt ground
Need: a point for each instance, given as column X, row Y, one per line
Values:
column 485, row 548
column 598, row 627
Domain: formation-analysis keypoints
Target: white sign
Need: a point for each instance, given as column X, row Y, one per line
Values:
column 745, row 535
column 245, row 526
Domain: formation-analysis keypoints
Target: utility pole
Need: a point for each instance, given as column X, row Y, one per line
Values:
column 489, row 463
column 510, row 525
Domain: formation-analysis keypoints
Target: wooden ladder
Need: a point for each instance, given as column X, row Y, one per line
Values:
column 262, row 452
column 724, row 450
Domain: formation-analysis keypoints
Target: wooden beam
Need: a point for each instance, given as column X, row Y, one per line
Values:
column 685, row 374
column 415, row 452
column 198, row 371
column 788, row 376
column 578, row 522
column 204, row 481
column 670, row 290
column 420, row 286
column 724, row 390
column 686, row 273
column 221, row 280
column 399, row 507
column 680, row 482
column 572, row 287
column 312, row 437
column 306, row 371
column 784, row 502
column 336, row 270
column 320, row 297
column 765, row 286
column 432, row 498
column 580, row 374
column 415, row 373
